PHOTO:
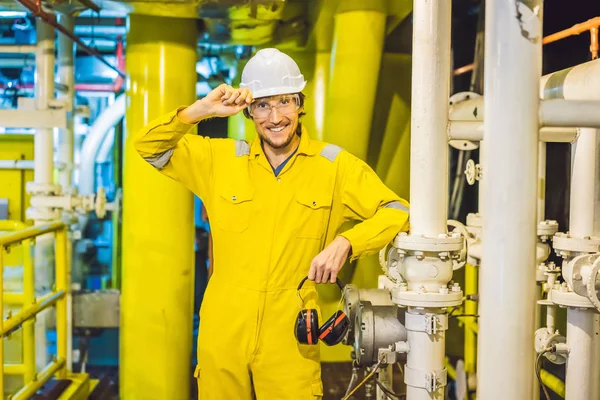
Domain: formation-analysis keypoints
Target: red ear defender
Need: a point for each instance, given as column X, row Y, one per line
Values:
column 307, row 330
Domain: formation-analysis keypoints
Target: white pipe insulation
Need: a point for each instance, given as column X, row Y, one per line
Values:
column 95, row 137
column 581, row 82
column 513, row 31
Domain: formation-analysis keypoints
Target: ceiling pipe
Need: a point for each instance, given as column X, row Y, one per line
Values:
column 50, row 19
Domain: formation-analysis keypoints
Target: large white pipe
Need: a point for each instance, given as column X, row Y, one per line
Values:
column 66, row 77
column 44, row 91
column 583, row 365
column 507, row 278
column 428, row 174
column 582, row 371
column 430, row 92
column 473, row 130
column 101, row 127
column 581, row 82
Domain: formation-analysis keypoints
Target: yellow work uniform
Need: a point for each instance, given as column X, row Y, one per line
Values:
column 266, row 230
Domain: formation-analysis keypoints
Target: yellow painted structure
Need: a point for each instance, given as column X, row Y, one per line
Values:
column 30, row 306
column 158, row 252
column 358, row 38
column 16, row 147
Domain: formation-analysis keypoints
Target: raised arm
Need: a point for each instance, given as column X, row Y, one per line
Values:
column 167, row 145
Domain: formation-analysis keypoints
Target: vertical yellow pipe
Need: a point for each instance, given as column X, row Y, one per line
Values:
column 355, row 60
column 320, row 79
column 61, row 304
column 158, row 252
column 1, row 321
column 28, row 326
column 471, row 276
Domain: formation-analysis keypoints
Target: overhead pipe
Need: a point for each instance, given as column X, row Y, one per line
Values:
column 473, row 131
column 507, row 280
column 50, row 19
column 101, row 127
column 591, row 25
column 570, row 113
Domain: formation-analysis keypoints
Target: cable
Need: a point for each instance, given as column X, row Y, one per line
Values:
column 388, row 392
column 364, row 380
column 353, row 379
column 538, row 367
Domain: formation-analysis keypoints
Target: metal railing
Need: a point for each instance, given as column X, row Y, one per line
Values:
column 31, row 306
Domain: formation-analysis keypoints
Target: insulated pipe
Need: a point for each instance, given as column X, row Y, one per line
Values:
column 358, row 38
column 158, row 221
column 570, row 113
column 428, row 188
column 507, row 277
column 103, row 124
column 473, row 131
column 44, row 91
column 582, row 371
column 429, row 107
column 581, row 82
column 66, row 77
column 583, row 366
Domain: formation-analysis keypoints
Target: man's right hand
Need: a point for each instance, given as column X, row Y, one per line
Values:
column 222, row 101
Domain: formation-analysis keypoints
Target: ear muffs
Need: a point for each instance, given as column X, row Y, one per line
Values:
column 308, row 331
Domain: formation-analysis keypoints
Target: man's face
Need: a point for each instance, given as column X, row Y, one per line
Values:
column 276, row 119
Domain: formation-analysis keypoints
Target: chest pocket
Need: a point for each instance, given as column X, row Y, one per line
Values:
column 314, row 207
column 234, row 208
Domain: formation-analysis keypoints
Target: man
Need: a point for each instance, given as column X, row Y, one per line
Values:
column 275, row 205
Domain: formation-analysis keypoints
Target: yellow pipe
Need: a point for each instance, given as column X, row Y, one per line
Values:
column 2, row 322
column 29, row 233
column 238, row 126
column 62, row 285
column 14, row 298
column 158, row 242
column 16, row 369
column 44, row 376
column 553, row 383
column 15, row 321
column 320, row 79
column 470, row 344
column 356, row 58
column 28, row 336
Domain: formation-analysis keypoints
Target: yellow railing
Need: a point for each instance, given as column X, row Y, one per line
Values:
column 31, row 306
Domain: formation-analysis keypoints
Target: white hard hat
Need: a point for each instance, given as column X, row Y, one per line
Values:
column 271, row 72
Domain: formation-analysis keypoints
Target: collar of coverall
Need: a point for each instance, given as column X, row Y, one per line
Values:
column 306, row 147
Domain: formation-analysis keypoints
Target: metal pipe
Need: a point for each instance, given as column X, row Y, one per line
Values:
column 44, row 376
column 581, row 381
column 51, row 20
column 581, row 82
column 62, row 286
column 473, row 131
column 507, row 277
column 583, row 184
column 101, row 127
column 66, row 77
column 570, row 113
column 18, row 49
column 13, row 323
column 428, row 179
column 16, row 164
column 2, row 320
column 11, row 238
column 44, row 91
column 430, row 92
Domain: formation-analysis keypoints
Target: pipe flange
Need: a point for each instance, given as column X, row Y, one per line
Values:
column 35, row 188
column 547, row 229
column 564, row 244
column 565, row 298
column 592, row 293
column 545, row 339
column 406, row 298
column 42, row 214
column 443, row 243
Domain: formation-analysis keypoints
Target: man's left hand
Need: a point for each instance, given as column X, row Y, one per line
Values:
column 326, row 265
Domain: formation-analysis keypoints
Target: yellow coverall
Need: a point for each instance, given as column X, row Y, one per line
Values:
column 266, row 230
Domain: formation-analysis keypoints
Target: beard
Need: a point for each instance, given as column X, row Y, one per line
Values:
column 280, row 146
